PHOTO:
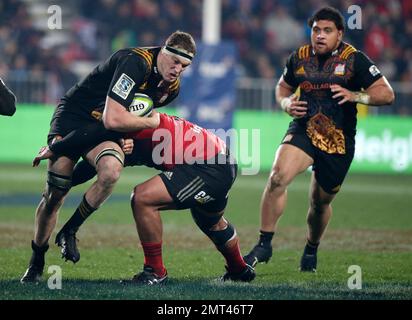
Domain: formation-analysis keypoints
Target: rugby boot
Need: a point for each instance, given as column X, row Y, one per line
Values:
column 36, row 265
column 246, row 275
column 66, row 239
column 258, row 254
column 308, row 262
column 147, row 278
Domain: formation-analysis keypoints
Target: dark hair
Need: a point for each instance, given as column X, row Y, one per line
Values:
column 328, row 13
column 183, row 40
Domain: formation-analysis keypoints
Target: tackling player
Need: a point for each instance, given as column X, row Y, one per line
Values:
column 197, row 174
column 102, row 98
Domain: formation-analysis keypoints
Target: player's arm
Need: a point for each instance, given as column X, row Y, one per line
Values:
column 285, row 89
column 131, row 72
column 82, row 138
column 288, row 100
column 117, row 118
column 7, row 100
column 378, row 91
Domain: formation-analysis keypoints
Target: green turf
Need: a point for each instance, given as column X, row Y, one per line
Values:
column 371, row 227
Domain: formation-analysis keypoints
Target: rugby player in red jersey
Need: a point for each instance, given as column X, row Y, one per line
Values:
column 197, row 174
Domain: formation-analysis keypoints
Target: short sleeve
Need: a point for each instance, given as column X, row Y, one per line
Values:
column 366, row 72
column 130, row 74
column 288, row 74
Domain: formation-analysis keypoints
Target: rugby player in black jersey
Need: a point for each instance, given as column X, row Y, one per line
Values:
column 332, row 77
column 197, row 173
column 103, row 97
column 7, row 100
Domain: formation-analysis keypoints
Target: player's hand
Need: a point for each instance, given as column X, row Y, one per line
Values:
column 294, row 107
column 44, row 153
column 343, row 93
column 127, row 145
column 154, row 119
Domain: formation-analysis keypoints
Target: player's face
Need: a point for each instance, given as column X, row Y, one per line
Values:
column 325, row 36
column 171, row 66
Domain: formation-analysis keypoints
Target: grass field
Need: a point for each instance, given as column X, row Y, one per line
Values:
column 371, row 227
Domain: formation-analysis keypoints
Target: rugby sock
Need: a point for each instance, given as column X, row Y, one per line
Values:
column 265, row 238
column 311, row 248
column 83, row 211
column 234, row 260
column 153, row 257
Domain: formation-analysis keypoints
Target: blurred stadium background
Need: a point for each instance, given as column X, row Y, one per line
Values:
column 39, row 64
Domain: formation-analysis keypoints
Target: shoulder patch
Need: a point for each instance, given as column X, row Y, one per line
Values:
column 303, row 52
column 123, row 86
column 374, row 71
column 347, row 52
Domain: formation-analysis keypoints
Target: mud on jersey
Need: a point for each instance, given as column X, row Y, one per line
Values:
column 127, row 72
column 326, row 123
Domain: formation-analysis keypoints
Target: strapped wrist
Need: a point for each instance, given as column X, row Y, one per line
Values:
column 285, row 103
column 362, row 97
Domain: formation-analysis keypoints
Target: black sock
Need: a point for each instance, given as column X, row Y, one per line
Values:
column 37, row 257
column 265, row 238
column 83, row 211
column 311, row 248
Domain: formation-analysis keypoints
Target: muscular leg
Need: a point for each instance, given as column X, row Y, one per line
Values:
column 108, row 172
column 108, row 167
column 52, row 200
column 226, row 240
column 289, row 162
column 57, row 187
column 320, row 211
column 147, row 200
column 319, row 214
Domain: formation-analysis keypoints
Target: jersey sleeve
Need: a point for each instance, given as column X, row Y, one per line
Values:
column 130, row 74
column 366, row 72
column 288, row 74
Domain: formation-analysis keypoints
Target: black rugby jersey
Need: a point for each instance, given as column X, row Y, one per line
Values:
column 125, row 73
column 313, row 74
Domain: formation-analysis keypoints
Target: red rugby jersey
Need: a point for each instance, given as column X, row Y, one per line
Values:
column 178, row 141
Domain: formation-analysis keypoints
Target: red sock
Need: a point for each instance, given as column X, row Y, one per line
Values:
column 234, row 259
column 153, row 257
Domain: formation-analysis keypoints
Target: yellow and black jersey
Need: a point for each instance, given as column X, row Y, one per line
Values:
column 125, row 73
column 314, row 74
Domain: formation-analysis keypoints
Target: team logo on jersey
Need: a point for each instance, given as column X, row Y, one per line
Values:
column 301, row 71
column 339, row 69
column 123, row 86
column 374, row 70
column 168, row 174
column 203, row 198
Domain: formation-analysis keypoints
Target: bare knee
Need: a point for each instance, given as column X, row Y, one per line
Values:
column 53, row 198
column 319, row 206
column 140, row 198
column 277, row 180
column 108, row 172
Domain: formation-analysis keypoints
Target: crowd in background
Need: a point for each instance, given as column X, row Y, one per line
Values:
column 265, row 32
